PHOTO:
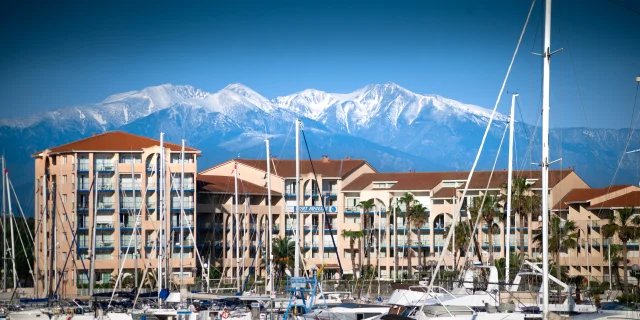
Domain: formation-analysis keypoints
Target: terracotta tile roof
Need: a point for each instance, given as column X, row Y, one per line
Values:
column 327, row 168
column 631, row 199
column 226, row 185
column 429, row 180
column 115, row 141
column 584, row 195
column 445, row 193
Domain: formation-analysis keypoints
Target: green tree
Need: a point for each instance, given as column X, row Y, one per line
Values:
column 367, row 206
column 407, row 199
column 352, row 236
column 462, row 241
column 419, row 217
column 489, row 211
column 284, row 253
column 615, row 252
column 625, row 226
column 562, row 236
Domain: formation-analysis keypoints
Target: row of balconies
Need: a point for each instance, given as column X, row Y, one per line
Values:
column 109, row 243
column 85, row 186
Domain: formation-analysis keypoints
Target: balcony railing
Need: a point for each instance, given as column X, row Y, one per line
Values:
column 128, row 224
column 83, row 224
column 175, row 223
column 105, row 167
column 106, row 243
column 105, row 186
column 83, row 206
column 351, row 209
column 130, row 186
column 130, row 205
column 105, row 205
column 186, row 205
column 84, row 186
column 176, row 185
column 186, row 243
column 104, row 225
column 83, row 166
column 125, row 243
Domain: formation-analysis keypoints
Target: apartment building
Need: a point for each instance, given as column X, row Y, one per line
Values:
column 591, row 209
column 346, row 183
column 216, row 210
column 104, row 184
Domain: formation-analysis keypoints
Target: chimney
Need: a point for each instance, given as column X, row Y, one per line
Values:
column 325, row 158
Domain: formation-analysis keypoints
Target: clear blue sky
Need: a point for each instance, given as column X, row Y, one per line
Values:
column 60, row 53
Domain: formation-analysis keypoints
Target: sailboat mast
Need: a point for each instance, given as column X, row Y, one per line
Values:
column 160, row 236
column 296, row 270
column 45, row 282
column 12, row 248
column 182, row 216
column 545, row 159
column 509, row 181
column 270, row 226
column 235, row 179
column 92, row 253
column 4, row 227
column 135, row 223
column 36, row 271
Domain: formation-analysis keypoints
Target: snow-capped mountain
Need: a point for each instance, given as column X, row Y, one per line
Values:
column 390, row 126
column 388, row 105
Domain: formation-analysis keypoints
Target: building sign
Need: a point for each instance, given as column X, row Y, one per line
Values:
column 312, row 209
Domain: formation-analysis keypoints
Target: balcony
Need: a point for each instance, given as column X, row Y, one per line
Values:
column 82, row 244
column 124, row 244
column 129, row 186
column 84, row 186
column 485, row 244
column 188, row 186
column 130, row 205
column 186, row 224
column 187, row 205
column 105, row 206
column 106, row 187
column 329, row 243
column 185, row 243
column 105, row 167
column 83, row 167
column 423, row 243
column 83, row 207
column 308, row 228
column 104, row 226
column 129, row 224
column 104, row 244
column 151, row 206
column 83, row 224
column 151, row 186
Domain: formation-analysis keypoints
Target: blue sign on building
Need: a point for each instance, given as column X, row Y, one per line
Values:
column 313, row 209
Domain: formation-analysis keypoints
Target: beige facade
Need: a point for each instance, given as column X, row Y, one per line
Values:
column 591, row 209
column 123, row 176
column 439, row 191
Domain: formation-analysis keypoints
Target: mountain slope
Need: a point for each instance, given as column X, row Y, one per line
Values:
column 390, row 126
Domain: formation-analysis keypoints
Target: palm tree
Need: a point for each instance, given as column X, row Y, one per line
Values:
column 626, row 228
column 614, row 251
column 462, row 240
column 562, row 236
column 352, row 236
column 419, row 217
column 366, row 208
column 524, row 203
column 284, row 253
column 490, row 210
column 408, row 201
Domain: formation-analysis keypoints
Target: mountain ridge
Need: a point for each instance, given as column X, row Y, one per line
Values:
column 392, row 127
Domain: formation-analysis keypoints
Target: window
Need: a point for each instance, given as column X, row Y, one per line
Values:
column 383, row 184
column 64, row 197
column 290, row 187
column 351, row 219
column 64, row 159
column 452, row 184
column 106, row 276
column 64, row 179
